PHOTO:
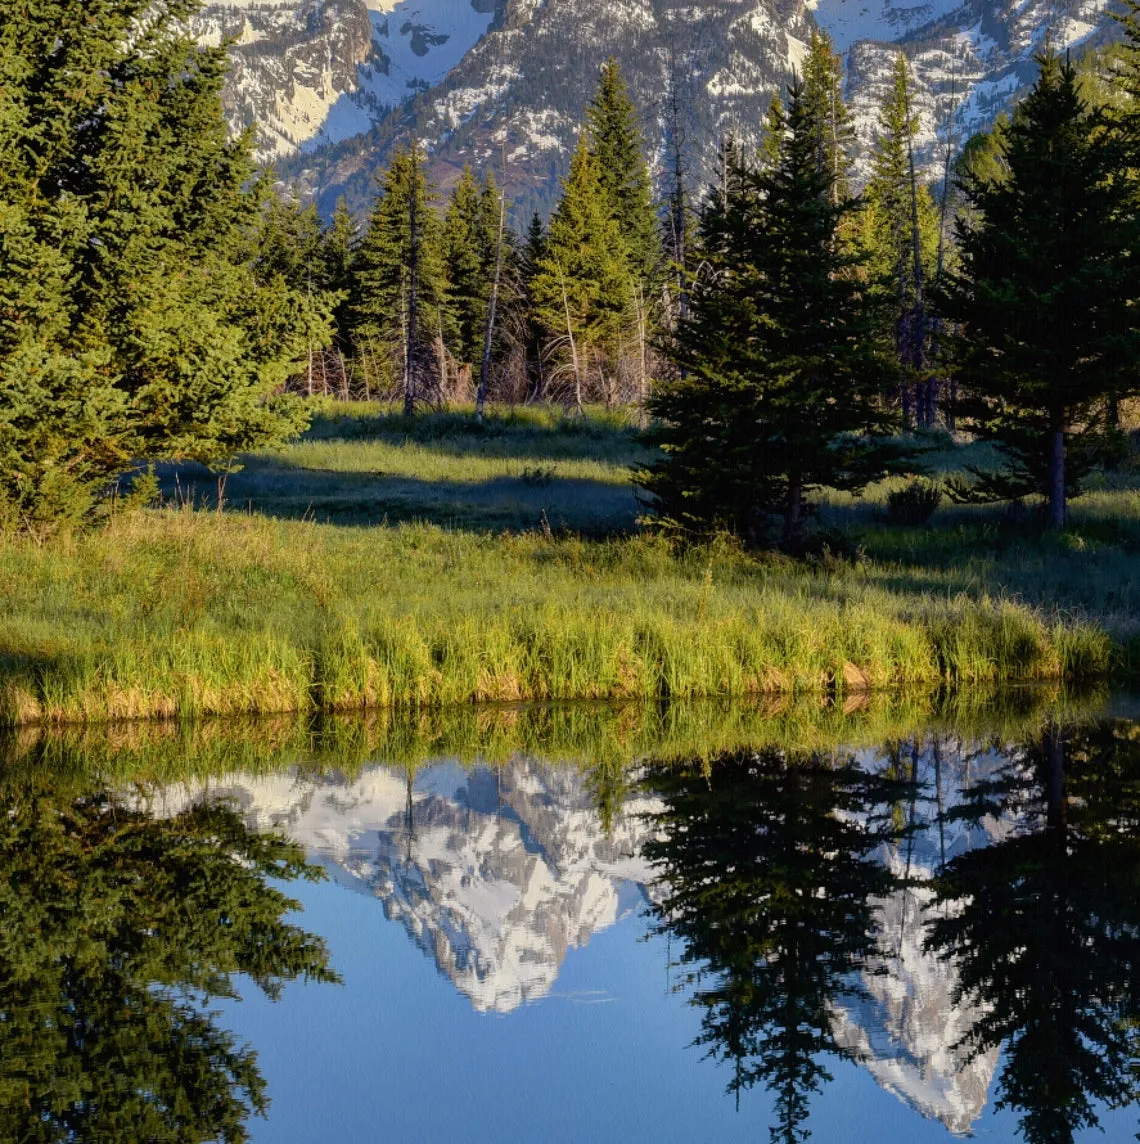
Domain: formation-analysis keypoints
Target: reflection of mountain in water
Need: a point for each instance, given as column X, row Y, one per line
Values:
column 906, row 1029
column 495, row 873
column 499, row 873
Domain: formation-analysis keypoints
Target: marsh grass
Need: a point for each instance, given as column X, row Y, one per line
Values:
column 179, row 613
column 511, row 570
column 587, row 736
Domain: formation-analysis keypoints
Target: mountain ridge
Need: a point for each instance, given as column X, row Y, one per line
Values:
column 336, row 83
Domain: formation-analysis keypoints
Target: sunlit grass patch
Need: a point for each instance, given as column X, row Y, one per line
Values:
column 174, row 613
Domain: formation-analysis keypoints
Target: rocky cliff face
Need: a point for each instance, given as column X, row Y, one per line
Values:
column 971, row 61
column 311, row 73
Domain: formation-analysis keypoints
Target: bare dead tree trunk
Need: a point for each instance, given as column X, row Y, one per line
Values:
column 643, row 355
column 1057, row 504
column 573, row 344
column 492, row 309
column 793, row 512
column 442, row 356
column 413, row 286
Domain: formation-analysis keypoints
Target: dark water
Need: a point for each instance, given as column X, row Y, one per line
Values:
column 931, row 931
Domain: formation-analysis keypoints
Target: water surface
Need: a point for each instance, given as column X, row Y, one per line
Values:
column 629, row 926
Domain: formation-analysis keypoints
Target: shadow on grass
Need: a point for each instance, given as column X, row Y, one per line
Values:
column 590, row 508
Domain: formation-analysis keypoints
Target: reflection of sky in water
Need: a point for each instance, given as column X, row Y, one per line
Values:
column 544, row 1008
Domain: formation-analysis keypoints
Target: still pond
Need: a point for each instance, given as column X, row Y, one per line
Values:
column 872, row 929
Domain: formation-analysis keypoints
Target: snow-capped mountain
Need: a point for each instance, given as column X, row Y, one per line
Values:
column 970, row 61
column 496, row 875
column 905, row 1025
column 333, row 84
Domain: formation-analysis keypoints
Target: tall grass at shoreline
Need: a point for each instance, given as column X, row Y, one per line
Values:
column 177, row 613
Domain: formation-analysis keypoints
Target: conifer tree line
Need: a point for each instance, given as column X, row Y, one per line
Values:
column 447, row 301
column 788, row 332
column 825, row 329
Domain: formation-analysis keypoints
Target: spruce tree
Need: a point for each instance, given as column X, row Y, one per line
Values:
column 583, row 290
column 133, row 320
column 1045, row 295
column 831, row 119
column 768, row 869
column 399, row 279
column 899, row 230
column 467, row 253
column 618, row 147
column 339, row 246
column 783, row 372
column 531, row 254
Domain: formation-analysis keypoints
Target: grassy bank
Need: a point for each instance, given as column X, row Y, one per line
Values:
column 181, row 613
column 300, row 603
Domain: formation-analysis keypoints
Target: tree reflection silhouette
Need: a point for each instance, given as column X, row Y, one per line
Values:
column 766, row 860
column 116, row 930
column 1044, row 927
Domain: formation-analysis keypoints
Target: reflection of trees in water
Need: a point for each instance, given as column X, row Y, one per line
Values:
column 116, row 929
column 1045, row 928
column 767, row 863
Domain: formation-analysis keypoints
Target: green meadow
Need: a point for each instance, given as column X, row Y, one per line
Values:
column 387, row 563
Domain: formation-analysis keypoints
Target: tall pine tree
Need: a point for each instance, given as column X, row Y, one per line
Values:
column 899, row 230
column 831, row 119
column 583, row 289
column 399, row 289
column 782, row 370
column 1046, row 293
column 618, row 147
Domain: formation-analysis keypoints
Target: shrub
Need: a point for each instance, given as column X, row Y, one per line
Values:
column 915, row 504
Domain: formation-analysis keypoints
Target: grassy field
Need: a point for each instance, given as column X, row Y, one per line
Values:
column 510, row 569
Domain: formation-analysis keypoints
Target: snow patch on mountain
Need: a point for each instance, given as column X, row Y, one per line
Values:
column 310, row 73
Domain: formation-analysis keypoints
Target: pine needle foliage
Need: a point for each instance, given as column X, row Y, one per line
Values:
column 133, row 320
column 782, row 366
column 1045, row 295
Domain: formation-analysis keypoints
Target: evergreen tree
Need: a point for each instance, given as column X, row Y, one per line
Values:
column 898, row 228
column 1042, row 926
column 399, row 280
column 467, row 253
column 339, row 245
column 119, row 932
column 530, row 261
column 830, row 117
column 783, row 372
column 133, row 321
column 1045, row 295
column 618, row 148
column 471, row 235
column 583, row 290
column 772, row 139
column 290, row 249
